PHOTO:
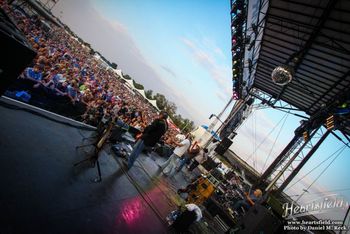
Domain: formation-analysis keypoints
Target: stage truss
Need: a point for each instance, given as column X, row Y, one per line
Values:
column 313, row 39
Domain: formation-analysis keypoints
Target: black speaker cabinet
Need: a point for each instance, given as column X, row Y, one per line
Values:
column 258, row 220
column 16, row 53
column 209, row 164
column 223, row 146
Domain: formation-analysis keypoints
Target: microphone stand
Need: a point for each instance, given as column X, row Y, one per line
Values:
column 98, row 147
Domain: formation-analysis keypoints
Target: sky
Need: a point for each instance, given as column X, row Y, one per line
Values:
column 182, row 49
column 264, row 135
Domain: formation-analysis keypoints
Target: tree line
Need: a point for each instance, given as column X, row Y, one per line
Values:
column 170, row 107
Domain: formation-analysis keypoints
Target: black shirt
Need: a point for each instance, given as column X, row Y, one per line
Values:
column 154, row 132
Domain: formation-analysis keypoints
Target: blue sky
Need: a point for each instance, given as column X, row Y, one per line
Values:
column 254, row 135
column 183, row 49
column 186, row 42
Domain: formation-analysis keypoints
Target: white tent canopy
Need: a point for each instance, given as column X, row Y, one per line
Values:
column 151, row 101
column 119, row 73
column 141, row 91
column 154, row 103
column 130, row 83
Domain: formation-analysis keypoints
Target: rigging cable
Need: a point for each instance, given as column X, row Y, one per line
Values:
column 321, row 173
column 297, row 115
column 273, row 145
column 273, row 129
column 338, row 150
column 330, row 191
column 339, row 138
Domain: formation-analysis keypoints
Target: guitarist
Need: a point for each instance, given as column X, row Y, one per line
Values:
column 149, row 137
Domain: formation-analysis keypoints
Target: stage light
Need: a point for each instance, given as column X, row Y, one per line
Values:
column 236, row 52
column 282, row 75
column 234, row 7
column 236, row 69
column 306, row 136
column 234, row 41
column 238, row 39
column 233, row 29
column 330, row 122
column 238, row 42
column 235, row 47
column 237, row 21
column 343, row 105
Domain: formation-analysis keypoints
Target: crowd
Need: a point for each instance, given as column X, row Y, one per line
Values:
column 65, row 68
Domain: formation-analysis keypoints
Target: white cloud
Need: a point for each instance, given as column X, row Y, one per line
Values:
column 221, row 96
column 187, row 106
column 211, row 45
column 218, row 51
column 118, row 26
column 203, row 56
column 169, row 70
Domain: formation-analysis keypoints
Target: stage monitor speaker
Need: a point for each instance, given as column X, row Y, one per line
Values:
column 229, row 175
column 258, row 220
column 16, row 53
column 209, row 164
column 223, row 146
column 163, row 151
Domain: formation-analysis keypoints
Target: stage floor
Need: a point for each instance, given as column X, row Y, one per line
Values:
column 43, row 193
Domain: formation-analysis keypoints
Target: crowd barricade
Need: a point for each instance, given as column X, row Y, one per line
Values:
column 46, row 99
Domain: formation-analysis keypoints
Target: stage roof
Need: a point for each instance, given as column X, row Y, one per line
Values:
column 313, row 36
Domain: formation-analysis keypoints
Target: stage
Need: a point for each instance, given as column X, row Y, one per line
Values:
column 43, row 193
